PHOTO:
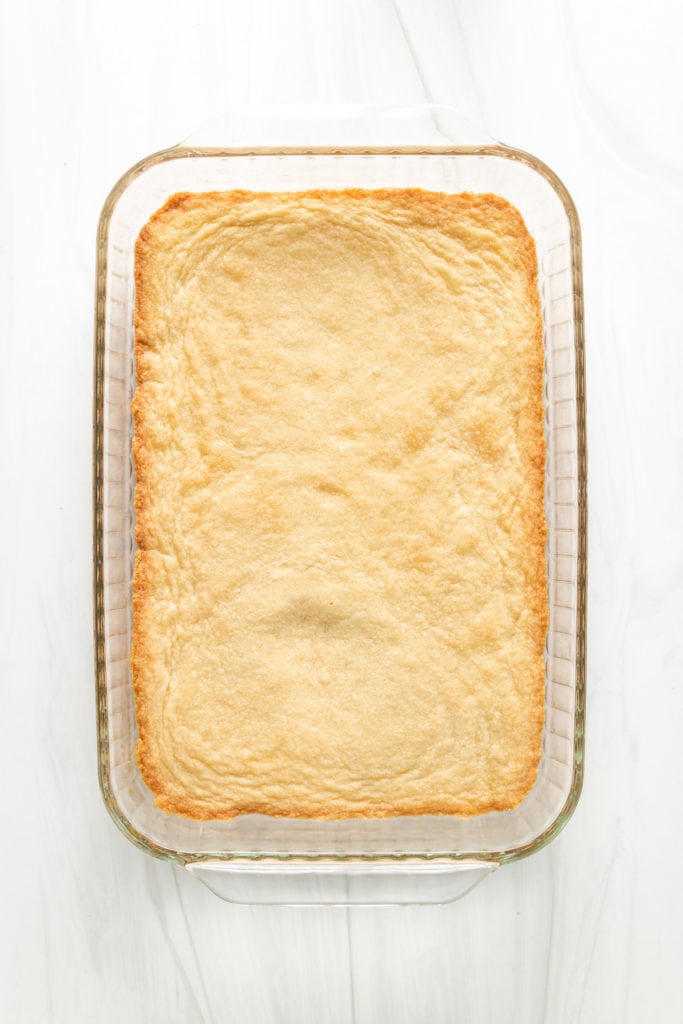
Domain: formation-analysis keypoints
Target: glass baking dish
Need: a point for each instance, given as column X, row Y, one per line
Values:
column 255, row 858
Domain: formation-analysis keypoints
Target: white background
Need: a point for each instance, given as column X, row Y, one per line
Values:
column 589, row 930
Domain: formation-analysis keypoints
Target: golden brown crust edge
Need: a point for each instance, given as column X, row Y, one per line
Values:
column 531, row 434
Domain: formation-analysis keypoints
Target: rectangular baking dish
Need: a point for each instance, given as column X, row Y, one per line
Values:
column 420, row 859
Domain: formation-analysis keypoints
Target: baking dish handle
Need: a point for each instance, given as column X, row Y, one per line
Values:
column 336, row 884
column 340, row 126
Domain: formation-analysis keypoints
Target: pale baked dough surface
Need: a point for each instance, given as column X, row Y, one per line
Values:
column 340, row 597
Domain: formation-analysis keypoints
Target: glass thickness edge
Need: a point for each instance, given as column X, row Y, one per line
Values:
column 181, row 152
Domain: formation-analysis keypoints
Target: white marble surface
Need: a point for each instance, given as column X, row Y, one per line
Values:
column 589, row 930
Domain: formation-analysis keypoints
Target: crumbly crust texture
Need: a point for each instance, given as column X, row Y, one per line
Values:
column 340, row 596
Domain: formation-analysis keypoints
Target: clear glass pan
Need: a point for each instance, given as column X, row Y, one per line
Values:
column 423, row 859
